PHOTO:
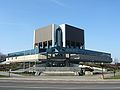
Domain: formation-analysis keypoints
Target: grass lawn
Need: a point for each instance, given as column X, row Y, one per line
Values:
column 2, row 76
column 26, row 73
column 112, row 77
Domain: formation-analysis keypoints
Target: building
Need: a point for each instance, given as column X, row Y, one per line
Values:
column 59, row 46
column 69, row 36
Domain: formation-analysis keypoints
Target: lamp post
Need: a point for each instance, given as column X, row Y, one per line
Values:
column 9, row 68
column 102, row 71
column 115, row 69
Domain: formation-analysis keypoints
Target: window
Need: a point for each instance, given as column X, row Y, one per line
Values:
column 72, row 44
column 36, row 45
column 82, row 46
column 40, row 45
column 77, row 45
column 58, row 41
column 49, row 43
column 68, row 44
column 45, row 44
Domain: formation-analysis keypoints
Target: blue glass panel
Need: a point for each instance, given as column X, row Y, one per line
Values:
column 26, row 52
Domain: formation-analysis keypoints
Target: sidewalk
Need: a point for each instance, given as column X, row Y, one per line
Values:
column 60, row 78
column 11, row 74
column 57, row 78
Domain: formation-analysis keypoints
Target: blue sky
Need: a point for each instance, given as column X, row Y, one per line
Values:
column 99, row 18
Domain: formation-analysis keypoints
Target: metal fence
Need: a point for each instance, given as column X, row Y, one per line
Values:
column 55, row 69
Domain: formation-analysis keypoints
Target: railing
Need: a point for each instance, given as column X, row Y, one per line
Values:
column 56, row 68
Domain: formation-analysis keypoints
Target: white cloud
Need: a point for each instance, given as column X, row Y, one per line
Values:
column 58, row 3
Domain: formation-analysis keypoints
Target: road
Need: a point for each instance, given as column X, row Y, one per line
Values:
column 58, row 85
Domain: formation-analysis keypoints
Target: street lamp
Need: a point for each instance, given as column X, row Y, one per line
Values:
column 102, row 71
column 115, row 68
column 8, row 63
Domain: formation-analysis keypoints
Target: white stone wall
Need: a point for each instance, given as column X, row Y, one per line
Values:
column 26, row 58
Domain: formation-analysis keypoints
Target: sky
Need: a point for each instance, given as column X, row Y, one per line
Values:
column 99, row 18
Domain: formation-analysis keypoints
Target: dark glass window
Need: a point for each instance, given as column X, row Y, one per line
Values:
column 58, row 37
column 40, row 44
column 68, row 44
column 36, row 45
column 82, row 46
column 72, row 44
column 45, row 44
column 50, row 44
column 77, row 45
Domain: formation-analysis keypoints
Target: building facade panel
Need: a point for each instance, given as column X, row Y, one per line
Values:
column 43, row 34
column 74, row 36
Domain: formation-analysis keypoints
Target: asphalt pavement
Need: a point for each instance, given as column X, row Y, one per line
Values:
column 95, row 82
column 10, row 84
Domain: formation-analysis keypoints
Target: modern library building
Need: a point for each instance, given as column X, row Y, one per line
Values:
column 59, row 46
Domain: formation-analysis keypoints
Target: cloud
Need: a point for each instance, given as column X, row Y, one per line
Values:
column 58, row 3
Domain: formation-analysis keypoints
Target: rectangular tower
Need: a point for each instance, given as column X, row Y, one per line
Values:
column 71, row 37
column 43, row 37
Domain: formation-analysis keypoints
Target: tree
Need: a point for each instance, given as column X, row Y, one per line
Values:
column 115, row 65
column 2, row 57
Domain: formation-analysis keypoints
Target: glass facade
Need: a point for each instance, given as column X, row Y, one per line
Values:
column 45, row 44
column 88, row 52
column 58, row 37
column 22, row 53
column 49, row 43
column 73, row 44
column 80, row 54
column 85, row 55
